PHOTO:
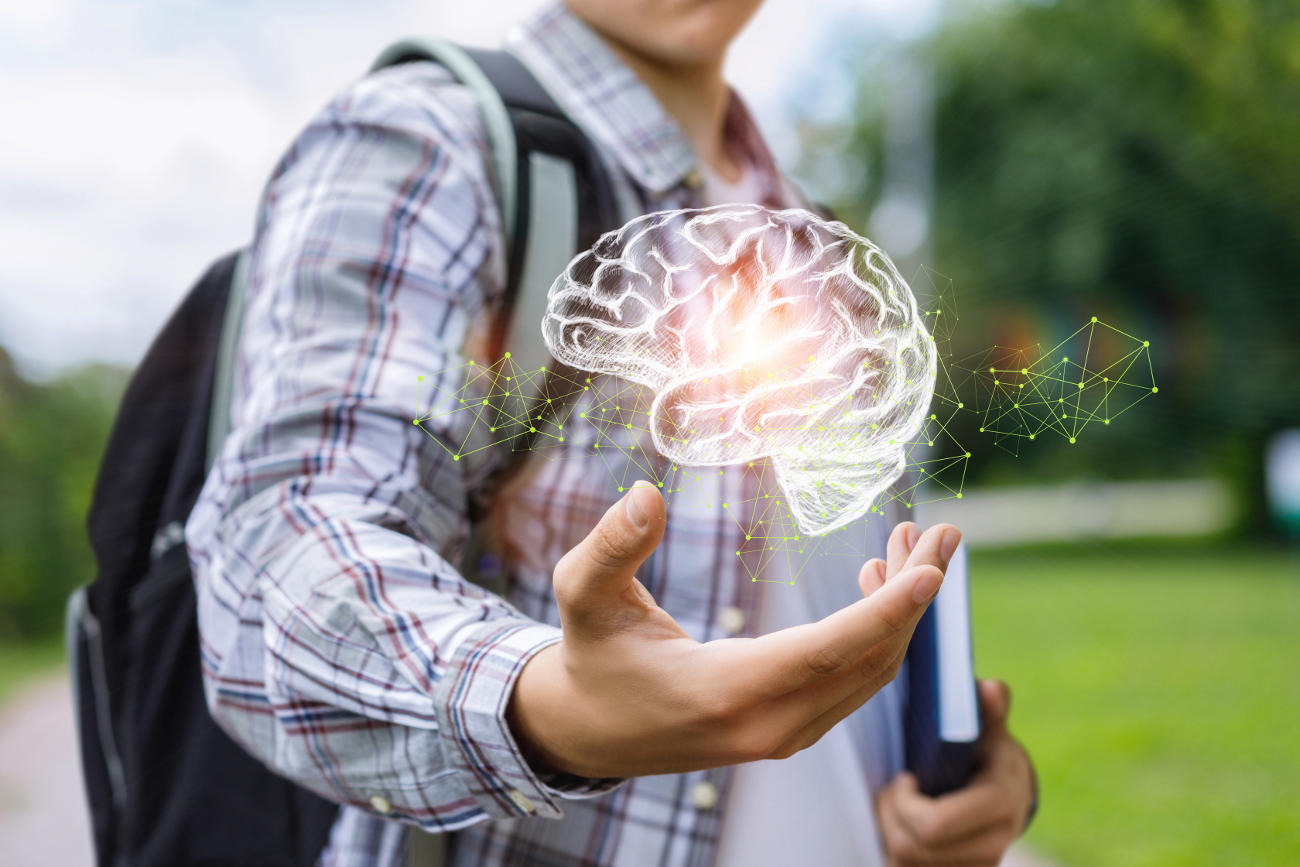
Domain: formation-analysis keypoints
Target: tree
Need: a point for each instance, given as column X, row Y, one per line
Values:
column 1140, row 162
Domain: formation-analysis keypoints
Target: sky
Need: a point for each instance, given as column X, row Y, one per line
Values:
column 137, row 134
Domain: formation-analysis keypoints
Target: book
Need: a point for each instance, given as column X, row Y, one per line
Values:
column 941, row 724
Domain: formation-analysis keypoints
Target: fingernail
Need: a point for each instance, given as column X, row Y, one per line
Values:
column 927, row 584
column 948, row 544
column 636, row 511
column 911, row 537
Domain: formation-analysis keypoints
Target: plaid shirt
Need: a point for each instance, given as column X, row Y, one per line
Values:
column 340, row 643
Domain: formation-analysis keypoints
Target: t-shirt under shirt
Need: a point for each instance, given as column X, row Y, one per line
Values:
column 816, row 806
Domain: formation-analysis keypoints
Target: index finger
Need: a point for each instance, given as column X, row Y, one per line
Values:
column 935, row 547
column 801, row 655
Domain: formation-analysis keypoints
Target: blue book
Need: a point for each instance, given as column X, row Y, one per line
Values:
column 941, row 723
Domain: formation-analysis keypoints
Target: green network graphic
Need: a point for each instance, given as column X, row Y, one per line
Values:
column 1093, row 376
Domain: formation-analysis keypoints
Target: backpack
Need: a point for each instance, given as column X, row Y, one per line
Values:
column 166, row 786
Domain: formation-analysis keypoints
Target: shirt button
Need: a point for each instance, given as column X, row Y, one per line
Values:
column 521, row 801
column 693, row 180
column 731, row 619
column 381, row 804
column 704, row 795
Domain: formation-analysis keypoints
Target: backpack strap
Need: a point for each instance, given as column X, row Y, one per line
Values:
column 496, row 117
column 554, row 192
column 223, row 372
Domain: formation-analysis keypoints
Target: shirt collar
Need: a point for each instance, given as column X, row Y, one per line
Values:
column 607, row 99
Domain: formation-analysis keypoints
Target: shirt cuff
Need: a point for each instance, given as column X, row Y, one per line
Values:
column 470, row 702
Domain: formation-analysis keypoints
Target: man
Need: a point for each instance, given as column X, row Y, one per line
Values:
column 343, row 648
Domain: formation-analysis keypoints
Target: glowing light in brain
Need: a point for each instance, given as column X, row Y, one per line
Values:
column 763, row 334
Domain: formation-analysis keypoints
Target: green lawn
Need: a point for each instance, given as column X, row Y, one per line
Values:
column 1158, row 689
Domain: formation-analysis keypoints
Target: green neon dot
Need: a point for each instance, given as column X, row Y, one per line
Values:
column 455, row 457
column 415, row 421
column 507, row 355
column 1154, row 390
column 1071, row 440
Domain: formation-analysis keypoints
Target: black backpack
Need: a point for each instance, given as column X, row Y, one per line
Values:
column 166, row 786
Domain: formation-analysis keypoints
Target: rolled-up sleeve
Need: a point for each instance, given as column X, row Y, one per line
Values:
column 340, row 644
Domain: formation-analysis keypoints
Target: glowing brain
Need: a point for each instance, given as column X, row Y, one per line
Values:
column 763, row 334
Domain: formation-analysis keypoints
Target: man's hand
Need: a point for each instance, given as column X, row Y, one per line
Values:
column 628, row 693
column 975, row 824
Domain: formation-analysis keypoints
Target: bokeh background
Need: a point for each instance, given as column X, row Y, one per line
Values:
column 1139, row 162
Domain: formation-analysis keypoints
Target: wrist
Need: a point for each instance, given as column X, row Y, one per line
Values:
column 536, row 708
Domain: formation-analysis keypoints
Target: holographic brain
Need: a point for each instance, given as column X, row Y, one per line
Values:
column 762, row 334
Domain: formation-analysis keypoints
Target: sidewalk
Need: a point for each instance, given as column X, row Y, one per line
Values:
column 43, row 820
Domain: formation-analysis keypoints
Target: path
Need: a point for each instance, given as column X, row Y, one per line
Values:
column 43, row 818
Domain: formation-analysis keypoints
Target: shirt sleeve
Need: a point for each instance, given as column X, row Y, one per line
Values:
column 340, row 644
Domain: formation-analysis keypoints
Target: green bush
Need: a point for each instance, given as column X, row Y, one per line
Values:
column 51, row 441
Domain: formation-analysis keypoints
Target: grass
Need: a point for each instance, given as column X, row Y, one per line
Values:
column 1158, row 690
column 20, row 663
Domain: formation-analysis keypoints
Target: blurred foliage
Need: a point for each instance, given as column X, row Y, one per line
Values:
column 1135, row 161
column 51, row 439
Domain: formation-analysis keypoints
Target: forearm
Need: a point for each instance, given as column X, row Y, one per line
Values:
column 361, row 665
column 341, row 645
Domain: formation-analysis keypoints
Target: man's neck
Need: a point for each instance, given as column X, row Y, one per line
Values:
column 697, row 97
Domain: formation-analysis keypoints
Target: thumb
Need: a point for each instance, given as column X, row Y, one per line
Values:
column 592, row 576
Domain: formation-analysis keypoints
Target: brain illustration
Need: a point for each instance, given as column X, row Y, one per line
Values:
column 762, row 334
